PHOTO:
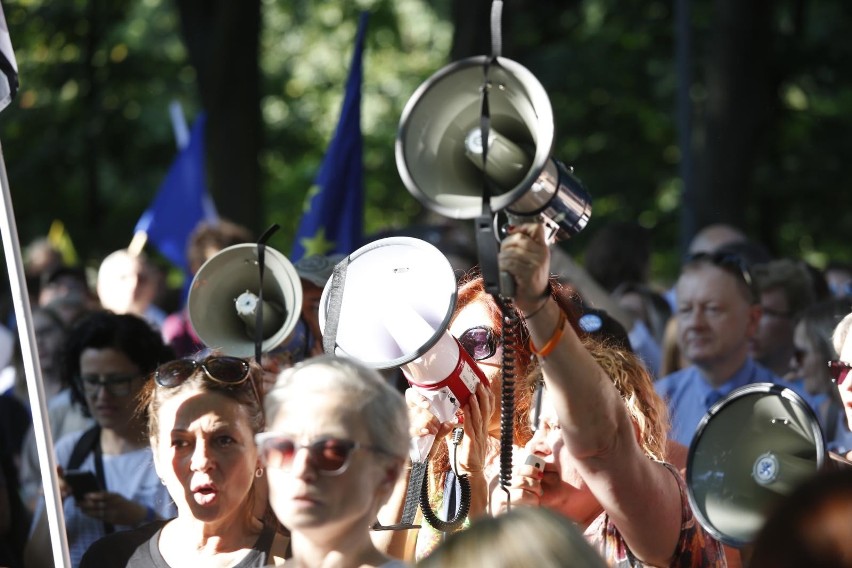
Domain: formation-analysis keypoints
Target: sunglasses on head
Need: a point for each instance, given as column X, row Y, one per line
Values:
column 730, row 262
column 329, row 456
column 839, row 371
column 479, row 342
column 229, row 371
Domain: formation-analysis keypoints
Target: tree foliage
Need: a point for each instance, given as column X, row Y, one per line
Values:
column 88, row 139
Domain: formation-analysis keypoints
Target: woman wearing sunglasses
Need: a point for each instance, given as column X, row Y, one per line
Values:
column 109, row 359
column 615, row 483
column 337, row 442
column 840, row 367
column 203, row 415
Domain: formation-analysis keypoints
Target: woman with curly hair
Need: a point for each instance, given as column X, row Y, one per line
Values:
column 600, row 444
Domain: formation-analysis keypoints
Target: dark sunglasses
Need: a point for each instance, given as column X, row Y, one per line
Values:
column 479, row 342
column 732, row 263
column 839, row 371
column 329, row 456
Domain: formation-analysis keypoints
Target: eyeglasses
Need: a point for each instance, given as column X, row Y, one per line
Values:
column 731, row 262
column 229, row 371
column 117, row 385
column 479, row 342
column 329, row 456
column 839, row 371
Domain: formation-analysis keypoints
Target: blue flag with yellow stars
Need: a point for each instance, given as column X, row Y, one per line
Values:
column 332, row 221
column 181, row 202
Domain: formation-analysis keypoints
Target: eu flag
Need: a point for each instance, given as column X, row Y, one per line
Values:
column 182, row 201
column 334, row 207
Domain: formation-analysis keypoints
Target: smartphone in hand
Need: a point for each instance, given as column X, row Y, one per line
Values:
column 81, row 482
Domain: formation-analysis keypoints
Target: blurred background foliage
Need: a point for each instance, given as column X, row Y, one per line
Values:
column 88, row 139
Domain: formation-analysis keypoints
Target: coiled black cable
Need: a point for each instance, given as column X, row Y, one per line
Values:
column 464, row 499
column 507, row 393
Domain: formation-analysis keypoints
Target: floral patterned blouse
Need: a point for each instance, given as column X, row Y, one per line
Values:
column 695, row 548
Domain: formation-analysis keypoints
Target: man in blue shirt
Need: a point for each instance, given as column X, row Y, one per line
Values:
column 718, row 313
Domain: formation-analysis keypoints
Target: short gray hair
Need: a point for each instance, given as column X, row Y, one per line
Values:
column 367, row 394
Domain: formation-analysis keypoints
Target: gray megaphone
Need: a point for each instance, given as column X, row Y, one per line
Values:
column 225, row 296
column 389, row 305
column 750, row 450
column 439, row 148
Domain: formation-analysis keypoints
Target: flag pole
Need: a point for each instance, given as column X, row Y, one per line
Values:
column 32, row 370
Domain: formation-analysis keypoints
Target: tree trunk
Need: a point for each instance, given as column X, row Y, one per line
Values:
column 740, row 95
column 222, row 38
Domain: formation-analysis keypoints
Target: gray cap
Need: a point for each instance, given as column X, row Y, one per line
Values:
column 317, row 269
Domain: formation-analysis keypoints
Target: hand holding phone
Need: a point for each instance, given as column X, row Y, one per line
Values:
column 82, row 482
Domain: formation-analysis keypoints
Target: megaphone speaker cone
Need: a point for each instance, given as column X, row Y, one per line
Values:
column 751, row 450
column 225, row 295
column 395, row 303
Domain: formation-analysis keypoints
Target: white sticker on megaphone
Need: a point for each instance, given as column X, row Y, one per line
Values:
column 535, row 461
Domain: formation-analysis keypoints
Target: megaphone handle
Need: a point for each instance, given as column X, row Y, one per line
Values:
column 334, row 302
column 416, row 479
column 496, row 282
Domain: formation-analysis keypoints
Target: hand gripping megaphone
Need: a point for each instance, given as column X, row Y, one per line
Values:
column 226, row 293
column 751, row 449
column 389, row 305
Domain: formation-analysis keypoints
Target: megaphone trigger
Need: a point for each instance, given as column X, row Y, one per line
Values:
column 507, row 285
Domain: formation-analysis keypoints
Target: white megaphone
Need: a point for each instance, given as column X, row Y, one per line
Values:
column 750, row 450
column 225, row 297
column 439, row 147
column 389, row 305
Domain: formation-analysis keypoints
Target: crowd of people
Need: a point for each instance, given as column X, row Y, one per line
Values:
column 173, row 453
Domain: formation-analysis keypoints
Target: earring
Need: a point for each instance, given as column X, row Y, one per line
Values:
column 163, row 481
column 258, row 472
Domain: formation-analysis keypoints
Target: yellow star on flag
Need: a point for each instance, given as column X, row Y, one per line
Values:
column 318, row 244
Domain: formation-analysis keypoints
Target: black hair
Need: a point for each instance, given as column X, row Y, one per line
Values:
column 129, row 334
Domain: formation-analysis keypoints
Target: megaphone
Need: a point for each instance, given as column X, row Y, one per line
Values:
column 439, row 147
column 225, row 296
column 750, row 450
column 389, row 305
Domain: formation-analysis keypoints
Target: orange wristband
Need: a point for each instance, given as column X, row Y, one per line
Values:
column 554, row 338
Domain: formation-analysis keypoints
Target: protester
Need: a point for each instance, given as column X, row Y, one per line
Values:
column 353, row 428
column 202, row 417
column 523, row 537
column 784, row 290
column 109, row 359
column 205, row 241
column 127, row 284
column 632, row 508
column 813, row 348
column 718, row 313
column 64, row 416
column 840, row 367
